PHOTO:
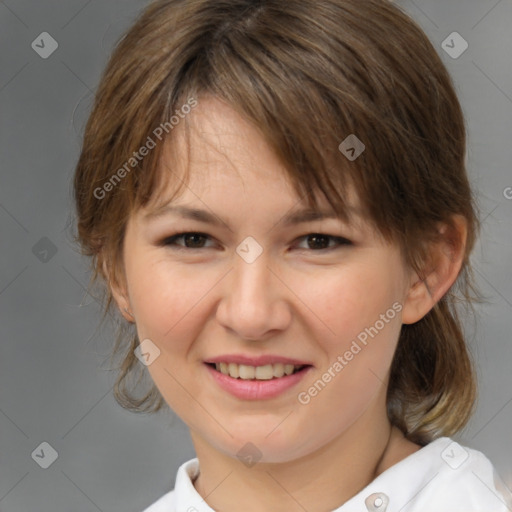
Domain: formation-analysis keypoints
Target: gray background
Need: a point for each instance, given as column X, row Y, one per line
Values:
column 54, row 383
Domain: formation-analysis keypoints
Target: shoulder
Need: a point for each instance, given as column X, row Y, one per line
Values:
column 464, row 479
column 442, row 476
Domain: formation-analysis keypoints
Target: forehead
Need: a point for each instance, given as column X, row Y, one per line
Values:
column 215, row 136
column 214, row 143
column 217, row 161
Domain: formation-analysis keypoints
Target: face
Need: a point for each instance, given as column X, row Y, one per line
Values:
column 254, row 287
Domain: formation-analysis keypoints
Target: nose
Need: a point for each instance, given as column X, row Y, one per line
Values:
column 255, row 299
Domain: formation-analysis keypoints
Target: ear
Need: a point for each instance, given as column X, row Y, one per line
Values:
column 445, row 260
column 119, row 292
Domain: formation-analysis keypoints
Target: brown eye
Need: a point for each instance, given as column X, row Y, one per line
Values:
column 321, row 241
column 191, row 240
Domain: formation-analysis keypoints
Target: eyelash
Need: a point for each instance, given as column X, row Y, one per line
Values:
column 170, row 241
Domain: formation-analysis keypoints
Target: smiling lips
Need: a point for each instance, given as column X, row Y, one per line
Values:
column 256, row 388
column 265, row 372
column 260, row 368
column 256, row 378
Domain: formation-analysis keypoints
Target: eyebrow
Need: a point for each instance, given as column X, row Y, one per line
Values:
column 292, row 218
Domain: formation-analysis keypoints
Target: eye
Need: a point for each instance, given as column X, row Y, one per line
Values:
column 320, row 241
column 194, row 240
column 191, row 240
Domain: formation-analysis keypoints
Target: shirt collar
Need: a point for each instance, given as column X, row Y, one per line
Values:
column 403, row 481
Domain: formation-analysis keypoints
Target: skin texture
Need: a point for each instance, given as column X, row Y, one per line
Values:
column 294, row 300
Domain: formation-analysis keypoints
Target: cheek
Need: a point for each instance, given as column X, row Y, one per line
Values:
column 349, row 303
column 361, row 310
column 357, row 352
column 167, row 299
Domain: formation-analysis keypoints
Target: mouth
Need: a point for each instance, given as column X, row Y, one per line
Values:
column 255, row 373
column 269, row 379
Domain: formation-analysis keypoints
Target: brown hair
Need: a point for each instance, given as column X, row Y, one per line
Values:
column 307, row 73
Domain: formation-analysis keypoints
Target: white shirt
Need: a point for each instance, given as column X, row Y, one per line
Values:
column 443, row 476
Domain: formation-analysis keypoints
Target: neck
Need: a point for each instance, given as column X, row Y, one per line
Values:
column 320, row 481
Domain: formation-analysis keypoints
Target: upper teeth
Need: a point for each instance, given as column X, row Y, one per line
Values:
column 266, row 372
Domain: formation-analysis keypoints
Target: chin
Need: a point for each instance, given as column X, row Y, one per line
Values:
column 262, row 446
